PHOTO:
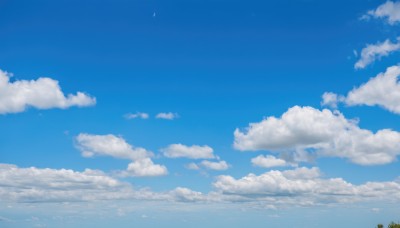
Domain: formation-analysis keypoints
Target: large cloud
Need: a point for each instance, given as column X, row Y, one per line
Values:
column 114, row 146
column 35, row 185
column 183, row 151
column 373, row 52
column 301, row 186
column 388, row 10
column 43, row 93
column 308, row 130
column 305, row 185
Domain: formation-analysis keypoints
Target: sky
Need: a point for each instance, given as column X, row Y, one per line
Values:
column 151, row 113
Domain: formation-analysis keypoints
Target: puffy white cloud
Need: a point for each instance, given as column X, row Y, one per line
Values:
column 323, row 132
column 304, row 185
column 183, row 151
column 217, row 165
column 187, row 195
column 301, row 186
column 140, row 115
column 167, row 115
column 389, row 10
column 43, row 93
column 145, row 167
column 382, row 90
column 269, row 161
column 36, row 185
column 114, row 146
column 373, row 52
column 108, row 145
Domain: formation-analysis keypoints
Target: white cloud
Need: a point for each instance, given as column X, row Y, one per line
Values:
column 43, row 93
column 187, row 195
column 140, row 115
column 192, row 166
column 388, row 10
column 382, row 90
column 145, row 167
column 298, row 187
column 331, row 99
column 373, row 52
column 269, row 161
column 36, row 185
column 303, row 185
column 109, row 145
column 306, row 130
column 218, row 165
column 167, row 115
column 183, row 151
column 114, row 146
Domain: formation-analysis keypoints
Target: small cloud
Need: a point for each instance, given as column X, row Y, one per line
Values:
column 140, row 115
column 219, row 165
column 192, row 152
column 192, row 166
column 167, row 115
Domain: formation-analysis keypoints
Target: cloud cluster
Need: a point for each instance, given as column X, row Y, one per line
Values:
column 304, row 185
column 306, row 130
column 114, row 146
column 389, row 11
column 43, row 93
column 297, row 187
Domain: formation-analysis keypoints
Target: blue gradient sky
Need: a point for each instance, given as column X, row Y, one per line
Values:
column 219, row 64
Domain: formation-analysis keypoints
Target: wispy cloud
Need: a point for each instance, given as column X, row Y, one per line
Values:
column 167, row 115
column 373, row 52
column 390, row 11
column 139, row 115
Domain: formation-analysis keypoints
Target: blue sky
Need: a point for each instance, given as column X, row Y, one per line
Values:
column 163, row 113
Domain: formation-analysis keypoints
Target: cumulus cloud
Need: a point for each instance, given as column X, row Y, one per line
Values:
column 269, row 161
column 321, row 132
column 140, row 115
column 145, row 167
column 43, row 93
column 389, row 11
column 108, row 145
column 305, row 185
column 298, row 187
column 114, row 146
column 373, row 52
column 217, row 165
column 382, row 90
column 167, row 115
column 37, row 185
column 192, row 152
